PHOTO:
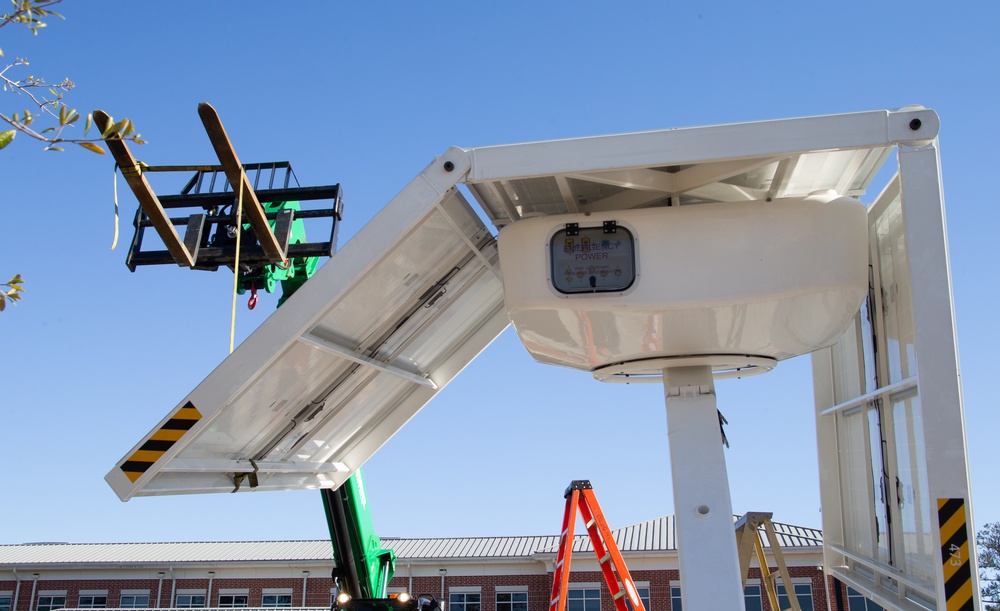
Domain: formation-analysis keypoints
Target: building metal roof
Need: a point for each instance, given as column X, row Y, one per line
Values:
column 657, row 535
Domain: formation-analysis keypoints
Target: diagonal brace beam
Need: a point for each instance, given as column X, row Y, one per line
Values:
column 144, row 193
column 252, row 208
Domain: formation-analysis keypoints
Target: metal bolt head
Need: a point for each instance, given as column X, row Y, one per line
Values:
column 915, row 124
column 448, row 166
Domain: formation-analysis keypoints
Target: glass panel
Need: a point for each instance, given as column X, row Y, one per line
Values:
column 190, row 601
column 857, row 602
column 751, row 598
column 897, row 304
column 643, row 596
column 675, row 599
column 868, row 346
column 804, row 593
column 48, row 603
column 782, row 596
column 592, row 261
column 881, row 491
column 134, row 601
column 93, row 602
column 584, row 599
column 5, row 603
column 229, row 600
column 915, row 514
column 856, row 493
column 512, row 601
column 276, row 600
column 464, row 601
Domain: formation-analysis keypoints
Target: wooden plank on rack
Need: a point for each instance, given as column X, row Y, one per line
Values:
column 237, row 178
column 143, row 192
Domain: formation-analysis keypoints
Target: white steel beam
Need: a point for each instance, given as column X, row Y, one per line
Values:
column 567, row 194
column 702, row 144
column 936, row 341
column 708, row 173
column 633, row 178
column 351, row 355
column 193, row 465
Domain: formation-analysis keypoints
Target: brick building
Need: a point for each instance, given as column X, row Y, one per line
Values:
column 471, row 574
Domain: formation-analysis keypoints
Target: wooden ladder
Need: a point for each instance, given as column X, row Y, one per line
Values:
column 747, row 541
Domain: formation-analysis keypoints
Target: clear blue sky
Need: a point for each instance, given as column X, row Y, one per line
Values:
column 366, row 94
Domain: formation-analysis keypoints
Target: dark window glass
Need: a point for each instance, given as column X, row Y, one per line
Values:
column 134, row 601
column 50, row 603
column 93, row 602
column 190, row 601
column 464, row 601
column 512, row 601
column 276, row 600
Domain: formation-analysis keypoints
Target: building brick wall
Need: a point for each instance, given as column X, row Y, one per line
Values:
column 539, row 587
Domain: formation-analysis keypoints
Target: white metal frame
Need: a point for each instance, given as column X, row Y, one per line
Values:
column 738, row 162
column 936, row 383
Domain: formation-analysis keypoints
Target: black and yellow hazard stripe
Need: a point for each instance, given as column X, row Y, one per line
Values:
column 955, row 559
column 162, row 440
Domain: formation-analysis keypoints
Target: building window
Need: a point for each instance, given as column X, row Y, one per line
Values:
column 276, row 600
column 50, row 603
column 464, row 601
column 583, row 599
column 134, row 601
column 189, row 601
column 92, row 602
column 751, row 598
column 643, row 596
column 856, row 601
column 229, row 601
column 803, row 592
column 5, row 602
column 512, row 601
column 675, row 599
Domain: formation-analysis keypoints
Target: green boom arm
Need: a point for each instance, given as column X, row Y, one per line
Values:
column 364, row 567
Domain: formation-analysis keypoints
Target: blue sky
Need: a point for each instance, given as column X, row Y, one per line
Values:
column 366, row 94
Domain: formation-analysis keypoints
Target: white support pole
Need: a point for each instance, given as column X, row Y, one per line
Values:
column 703, row 510
column 938, row 382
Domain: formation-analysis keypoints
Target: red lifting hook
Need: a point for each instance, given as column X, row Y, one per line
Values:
column 253, row 296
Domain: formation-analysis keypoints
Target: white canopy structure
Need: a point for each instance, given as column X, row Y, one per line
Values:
column 413, row 298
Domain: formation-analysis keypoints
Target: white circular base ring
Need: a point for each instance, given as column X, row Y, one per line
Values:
column 724, row 366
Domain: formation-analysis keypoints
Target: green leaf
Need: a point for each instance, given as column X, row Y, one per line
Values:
column 90, row 146
column 86, row 125
column 111, row 129
column 6, row 137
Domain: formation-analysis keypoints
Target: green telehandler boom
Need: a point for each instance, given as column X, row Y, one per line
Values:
column 273, row 251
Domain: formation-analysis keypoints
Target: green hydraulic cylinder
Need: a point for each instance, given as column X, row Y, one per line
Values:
column 363, row 567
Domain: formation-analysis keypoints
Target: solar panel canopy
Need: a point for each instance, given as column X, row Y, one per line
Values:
column 411, row 299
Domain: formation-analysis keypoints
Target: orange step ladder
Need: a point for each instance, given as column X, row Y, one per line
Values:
column 581, row 494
